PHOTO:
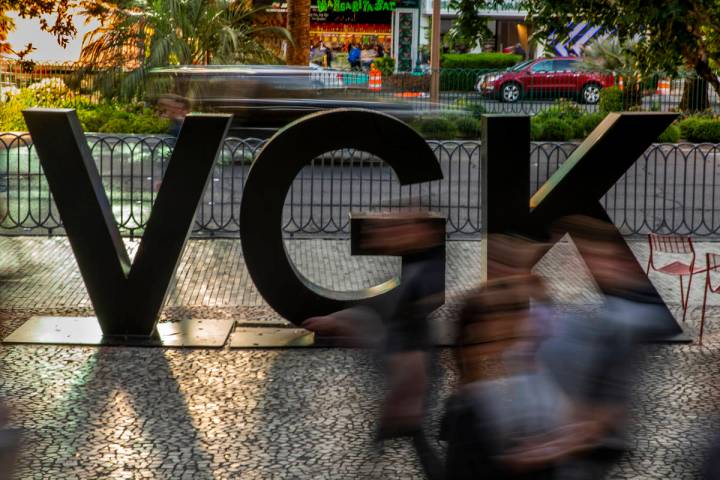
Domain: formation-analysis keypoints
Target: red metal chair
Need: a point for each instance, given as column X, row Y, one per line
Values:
column 674, row 244
column 712, row 264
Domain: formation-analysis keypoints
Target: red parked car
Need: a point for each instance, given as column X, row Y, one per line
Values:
column 565, row 77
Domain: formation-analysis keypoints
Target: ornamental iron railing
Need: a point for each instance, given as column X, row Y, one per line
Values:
column 672, row 188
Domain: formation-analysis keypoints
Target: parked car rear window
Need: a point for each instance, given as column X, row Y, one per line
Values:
column 565, row 66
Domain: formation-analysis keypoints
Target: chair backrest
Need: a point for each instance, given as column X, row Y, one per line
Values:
column 670, row 243
column 713, row 261
column 712, row 265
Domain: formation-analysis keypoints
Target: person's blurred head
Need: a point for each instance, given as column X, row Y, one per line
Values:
column 603, row 251
column 401, row 233
column 494, row 318
column 510, row 255
column 172, row 106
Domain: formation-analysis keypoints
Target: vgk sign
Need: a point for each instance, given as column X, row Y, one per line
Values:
column 127, row 297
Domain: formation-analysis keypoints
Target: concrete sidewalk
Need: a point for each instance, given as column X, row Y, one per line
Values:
column 259, row 414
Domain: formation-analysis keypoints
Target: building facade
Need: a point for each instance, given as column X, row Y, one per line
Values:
column 507, row 23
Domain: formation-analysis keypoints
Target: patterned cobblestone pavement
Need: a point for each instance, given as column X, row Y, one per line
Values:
column 163, row 413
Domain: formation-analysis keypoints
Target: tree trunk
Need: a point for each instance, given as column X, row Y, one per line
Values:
column 695, row 93
column 298, row 24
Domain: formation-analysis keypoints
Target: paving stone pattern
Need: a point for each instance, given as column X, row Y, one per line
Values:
column 286, row 414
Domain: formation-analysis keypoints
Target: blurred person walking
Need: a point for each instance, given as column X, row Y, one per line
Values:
column 401, row 325
column 558, row 410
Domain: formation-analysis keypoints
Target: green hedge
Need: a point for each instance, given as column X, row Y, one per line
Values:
column 458, row 79
column 448, row 127
column 700, row 129
column 112, row 117
column 565, row 121
column 671, row 135
column 479, row 60
column 611, row 100
column 386, row 65
column 436, row 128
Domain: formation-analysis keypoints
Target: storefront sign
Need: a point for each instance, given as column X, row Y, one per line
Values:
column 356, row 6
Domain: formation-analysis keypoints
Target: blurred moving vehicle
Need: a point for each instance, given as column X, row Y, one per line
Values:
column 546, row 78
column 264, row 98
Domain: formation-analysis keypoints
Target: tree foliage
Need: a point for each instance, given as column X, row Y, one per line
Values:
column 669, row 35
column 62, row 27
column 144, row 34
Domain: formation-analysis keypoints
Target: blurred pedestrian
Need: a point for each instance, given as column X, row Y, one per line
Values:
column 354, row 57
column 406, row 328
column 9, row 445
column 328, row 55
column 503, row 397
column 174, row 108
column 545, row 394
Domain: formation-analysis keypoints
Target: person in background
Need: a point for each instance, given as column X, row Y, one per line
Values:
column 367, row 56
column 328, row 56
column 380, row 51
column 175, row 108
column 354, row 57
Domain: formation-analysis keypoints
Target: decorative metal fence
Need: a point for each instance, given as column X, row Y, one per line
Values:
column 670, row 189
column 460, row 88
column 486, row 90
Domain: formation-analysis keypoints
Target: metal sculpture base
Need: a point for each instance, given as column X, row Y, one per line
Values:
column 192, row 333
column 687, row 335
column 272, row 337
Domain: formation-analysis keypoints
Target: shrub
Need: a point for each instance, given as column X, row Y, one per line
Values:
column 479, row 60
column 477, row 110
column 105, row 117
column 708, row 131
column 556, row 129
column 92, row 119
column 149, row 123
column 458, row 79
column 688, row 127
column 553, row 123
column 468, row 127
column 670, row 135
column 436, row 128
column 117, row 125
column 611, row 100
column 587, row 123
column 564, row 109
column 386, row 65
column 536, row 131
column 698, row 129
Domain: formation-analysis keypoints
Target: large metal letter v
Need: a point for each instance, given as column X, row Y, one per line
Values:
column 127, row 296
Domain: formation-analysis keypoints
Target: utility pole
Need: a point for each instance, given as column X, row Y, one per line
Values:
column 435, row 54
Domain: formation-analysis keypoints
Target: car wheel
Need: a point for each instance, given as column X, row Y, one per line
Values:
column 510, row 92
column 591, row 93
